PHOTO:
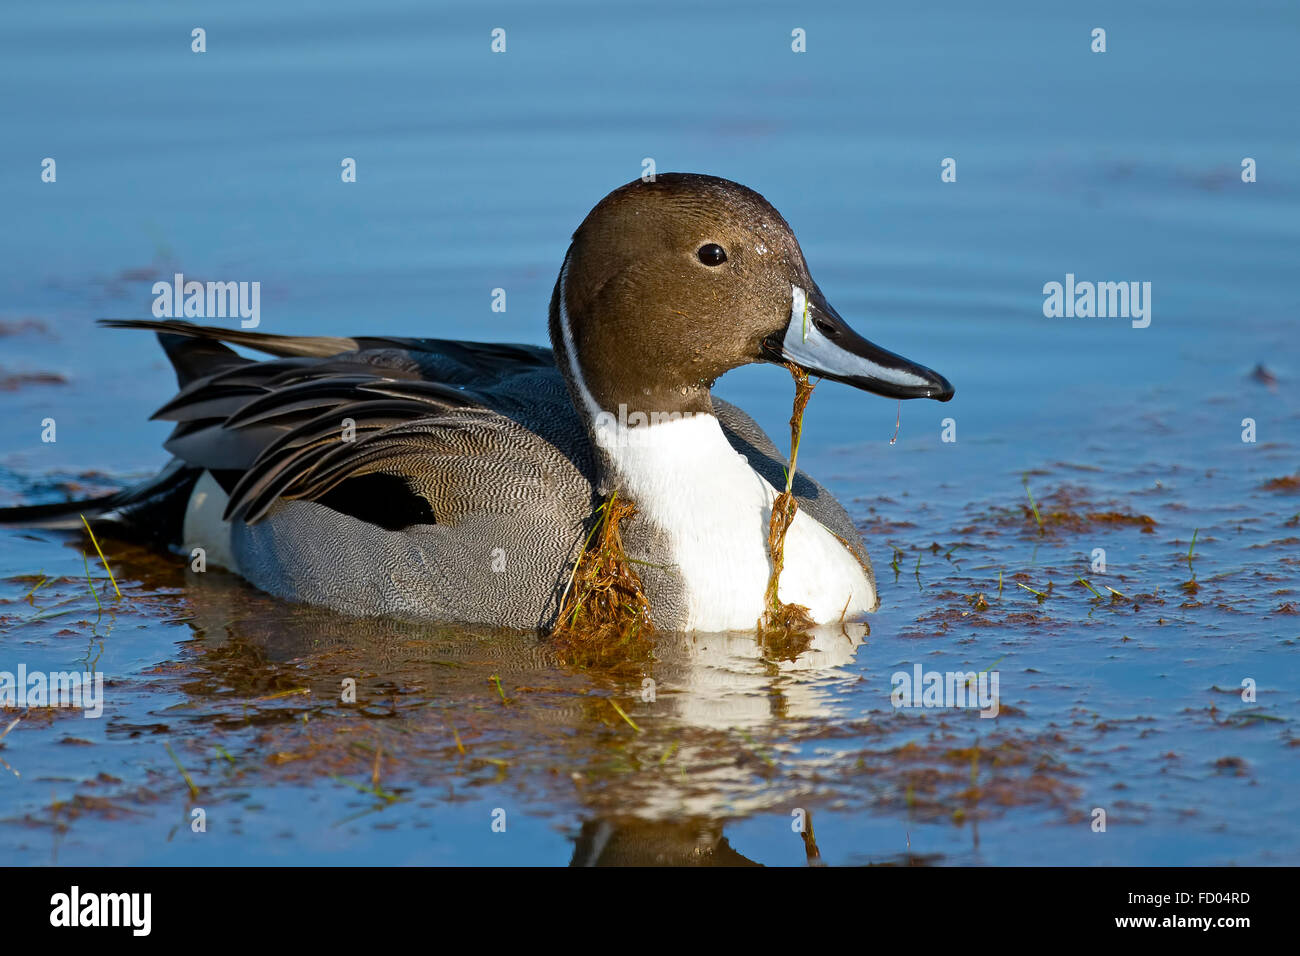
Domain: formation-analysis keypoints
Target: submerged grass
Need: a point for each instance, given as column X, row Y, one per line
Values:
column 622, row 713
column 100, row 552
column 1034, row 506
column 30, row 596
column 496, row 680
column 784, row 630
column 90, row 585
column 1190, row 585
column 189, row 782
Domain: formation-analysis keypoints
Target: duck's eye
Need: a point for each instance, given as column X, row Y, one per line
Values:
column 712, row 254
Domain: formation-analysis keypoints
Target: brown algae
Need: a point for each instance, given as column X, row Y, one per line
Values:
column 604, row 619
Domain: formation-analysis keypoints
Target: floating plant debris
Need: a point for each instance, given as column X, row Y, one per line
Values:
column 1066, row 509
column 604, row 619
column 1264, row 376
column 12, row 381
column 1287, row 484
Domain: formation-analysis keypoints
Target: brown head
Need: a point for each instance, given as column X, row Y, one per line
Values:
column 669, row 284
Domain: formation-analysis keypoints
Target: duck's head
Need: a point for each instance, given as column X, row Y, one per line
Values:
column 669, row 284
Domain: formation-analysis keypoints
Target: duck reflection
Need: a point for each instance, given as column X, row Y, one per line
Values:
column 708, row 747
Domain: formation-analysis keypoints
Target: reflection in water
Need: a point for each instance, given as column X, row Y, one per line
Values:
column 706, row 714
column 397, row 724
column 654, row 843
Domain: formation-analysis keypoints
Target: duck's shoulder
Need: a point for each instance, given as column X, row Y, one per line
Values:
column 468, row 427
column 455, row 361
column 323, row 412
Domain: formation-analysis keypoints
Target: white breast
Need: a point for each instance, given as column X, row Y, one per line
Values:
column 687, row 480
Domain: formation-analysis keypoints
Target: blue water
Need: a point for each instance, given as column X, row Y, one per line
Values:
column 473, row 170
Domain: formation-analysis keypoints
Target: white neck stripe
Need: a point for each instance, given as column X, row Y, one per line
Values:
column 570, row 351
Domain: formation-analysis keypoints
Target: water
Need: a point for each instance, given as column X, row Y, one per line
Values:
column 473, row 169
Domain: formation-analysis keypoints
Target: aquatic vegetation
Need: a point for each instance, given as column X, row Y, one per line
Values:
column 13, row 381
column 1190, row 585
column 1068, row 510
column 100, row 552
column 1037, row 517
column 783, row 629
column 604, row 620
column 1287, row 484
column 189, row 781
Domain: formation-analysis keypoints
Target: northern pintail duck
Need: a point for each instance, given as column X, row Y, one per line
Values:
column 457, row 481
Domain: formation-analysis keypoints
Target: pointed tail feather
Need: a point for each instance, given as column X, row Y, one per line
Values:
column 153, row 509
column 320, row 346
column 60, row 515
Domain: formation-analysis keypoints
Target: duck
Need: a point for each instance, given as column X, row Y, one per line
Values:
column 458, row 481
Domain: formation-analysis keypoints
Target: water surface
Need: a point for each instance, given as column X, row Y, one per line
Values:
column 473, row 169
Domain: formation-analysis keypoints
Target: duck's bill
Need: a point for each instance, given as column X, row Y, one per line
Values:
column 821, row 343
